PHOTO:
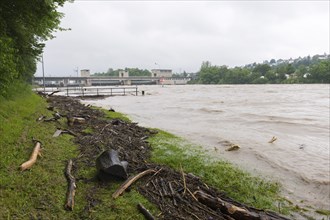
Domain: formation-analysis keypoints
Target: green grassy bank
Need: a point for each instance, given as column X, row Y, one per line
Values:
column 40, row 193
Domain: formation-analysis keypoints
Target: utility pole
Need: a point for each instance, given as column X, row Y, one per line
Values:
column 43, row 71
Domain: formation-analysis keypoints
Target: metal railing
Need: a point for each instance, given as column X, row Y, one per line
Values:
column 94, row 91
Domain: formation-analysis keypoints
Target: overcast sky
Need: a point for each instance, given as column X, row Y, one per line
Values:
column 180, row 35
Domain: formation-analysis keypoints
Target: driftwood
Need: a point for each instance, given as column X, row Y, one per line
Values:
column 50, row 108
column 130, row 181
column 71, row 186
column 272, row 140
column 234, row 211
column 33, row 157
column 109, row 163
column 67, row 131
column 75, row 120
column 53, row 93
column 59, row 131
column 41, row 118
column 145, row 212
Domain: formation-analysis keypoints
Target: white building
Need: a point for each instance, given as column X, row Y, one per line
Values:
column 85, row 73
column 161, row 73
column 123, row 73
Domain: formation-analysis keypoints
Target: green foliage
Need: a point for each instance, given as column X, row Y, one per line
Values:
column 262, row 69
column 300, row 70
column 320, row 72
column 24, row 27
column 132, row 72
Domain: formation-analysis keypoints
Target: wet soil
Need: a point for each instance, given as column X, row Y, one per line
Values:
column 131, row 142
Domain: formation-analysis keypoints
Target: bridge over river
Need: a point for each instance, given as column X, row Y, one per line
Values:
column 60, row 81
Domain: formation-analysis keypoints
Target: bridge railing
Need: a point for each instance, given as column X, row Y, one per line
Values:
column 99, row 91
column 93, row 91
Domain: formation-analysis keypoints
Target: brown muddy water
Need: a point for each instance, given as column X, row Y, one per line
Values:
column 214, row 116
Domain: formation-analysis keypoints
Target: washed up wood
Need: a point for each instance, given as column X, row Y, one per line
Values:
column 71, row 186
column 56, row 116
column 75, row 120
column 33, row 158
column 53, row 93
column 235, row 211
column 59, row 131
column 50, row 108
column 42, row 117
column 110, row 164
column 145, row 212
column 130, row 181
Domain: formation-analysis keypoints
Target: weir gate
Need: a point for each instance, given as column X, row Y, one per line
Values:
column 58, row 81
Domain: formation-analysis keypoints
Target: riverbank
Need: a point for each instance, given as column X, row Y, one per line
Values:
column 47, row 184
column 214, row 116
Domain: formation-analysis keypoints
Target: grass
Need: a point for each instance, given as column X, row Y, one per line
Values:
column 113, row 115
column 242, row 186
column 40, row 192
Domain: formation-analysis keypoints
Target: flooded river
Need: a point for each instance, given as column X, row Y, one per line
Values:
column 214, row 116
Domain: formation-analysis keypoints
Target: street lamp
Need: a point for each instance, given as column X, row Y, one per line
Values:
column 43, row 71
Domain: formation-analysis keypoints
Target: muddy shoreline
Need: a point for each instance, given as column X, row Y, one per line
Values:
column 130, row 140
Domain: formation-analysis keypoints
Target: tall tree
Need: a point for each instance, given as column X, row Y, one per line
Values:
column 24, row 27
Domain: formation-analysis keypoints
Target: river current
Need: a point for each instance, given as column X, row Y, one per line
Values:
column 215, row 116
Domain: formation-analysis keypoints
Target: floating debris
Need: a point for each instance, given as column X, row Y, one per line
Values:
column 233, row 147
column 273, row 139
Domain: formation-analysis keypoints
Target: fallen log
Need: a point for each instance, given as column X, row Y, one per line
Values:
column 71, row 186
column 109, row 163
column 234, row 211
column 33, row 158
column 145, row 212
column 130, row 181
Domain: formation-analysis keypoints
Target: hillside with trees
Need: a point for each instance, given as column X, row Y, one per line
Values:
column 308, row 69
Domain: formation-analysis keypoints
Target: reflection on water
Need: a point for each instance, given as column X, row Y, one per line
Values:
column 248, row 115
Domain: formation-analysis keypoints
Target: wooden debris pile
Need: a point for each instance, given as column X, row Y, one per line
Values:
column 178, row 195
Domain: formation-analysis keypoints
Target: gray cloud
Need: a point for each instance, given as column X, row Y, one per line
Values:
column 180, row 34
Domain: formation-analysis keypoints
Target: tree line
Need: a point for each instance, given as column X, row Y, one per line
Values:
column 300, row 70
column 24, row 27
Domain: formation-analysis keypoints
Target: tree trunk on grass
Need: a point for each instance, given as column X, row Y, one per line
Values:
column 109, row 163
